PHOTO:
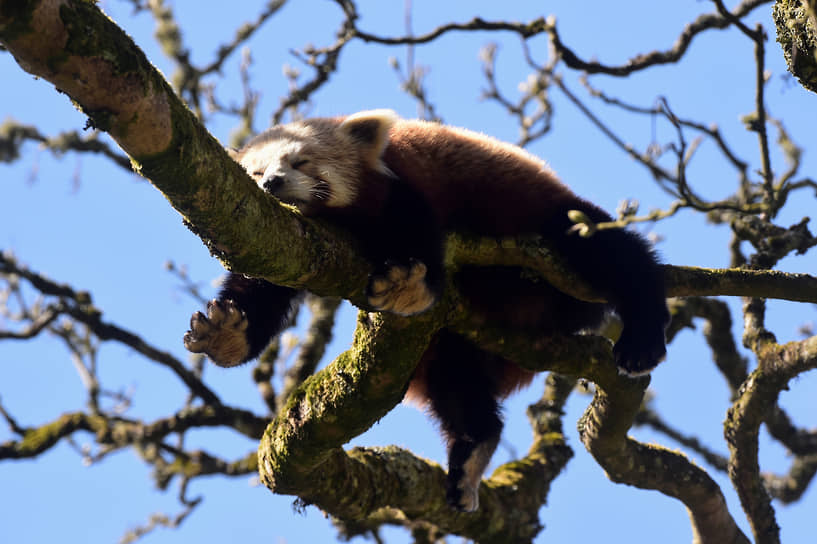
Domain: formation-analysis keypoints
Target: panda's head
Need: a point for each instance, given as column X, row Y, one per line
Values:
column 317, row 163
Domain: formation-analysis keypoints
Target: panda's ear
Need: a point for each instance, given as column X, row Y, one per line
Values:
column 232, row 152
column 370, row 131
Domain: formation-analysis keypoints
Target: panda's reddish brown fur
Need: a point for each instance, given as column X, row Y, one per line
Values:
column 398, row 186
column 473, row 181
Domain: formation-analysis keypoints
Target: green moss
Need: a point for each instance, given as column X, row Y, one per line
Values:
column 99, row 119
column 18, row 14
column 342, row 401
column 797, row 35
column 85, row 40
column 41, row 438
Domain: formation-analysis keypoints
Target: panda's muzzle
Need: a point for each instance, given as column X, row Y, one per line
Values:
column 273, row 184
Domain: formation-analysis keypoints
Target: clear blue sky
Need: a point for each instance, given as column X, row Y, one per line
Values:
column 112, row 234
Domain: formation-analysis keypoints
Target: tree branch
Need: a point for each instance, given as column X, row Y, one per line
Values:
column 78, row 305
column 777, row 365
column 796, row 22
column 13, row 135
column 640, row 62
column 120, row 433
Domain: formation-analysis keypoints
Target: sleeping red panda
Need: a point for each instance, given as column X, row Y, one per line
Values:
column 398, row 186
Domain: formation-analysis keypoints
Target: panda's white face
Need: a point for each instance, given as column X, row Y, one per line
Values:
column 298, row 166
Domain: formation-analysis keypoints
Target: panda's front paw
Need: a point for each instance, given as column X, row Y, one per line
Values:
column 221, row 334
column 639, row 349
column 401, row 289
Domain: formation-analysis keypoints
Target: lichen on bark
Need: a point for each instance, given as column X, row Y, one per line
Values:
column 796, row 22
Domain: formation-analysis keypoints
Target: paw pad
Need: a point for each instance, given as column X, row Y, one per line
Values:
column 401, row 289
column 221, row 334
column 639, row 351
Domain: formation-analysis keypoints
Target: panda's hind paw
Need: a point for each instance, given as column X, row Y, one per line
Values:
column 638, row 352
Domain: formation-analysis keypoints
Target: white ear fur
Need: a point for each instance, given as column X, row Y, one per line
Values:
column 370, row 129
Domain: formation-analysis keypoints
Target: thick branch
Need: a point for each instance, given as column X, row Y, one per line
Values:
column 689, row 281
column 533, row 253
column 306, row 432
column 304, row 441
column 777, row 365
column 796, row 22
column 316, row 338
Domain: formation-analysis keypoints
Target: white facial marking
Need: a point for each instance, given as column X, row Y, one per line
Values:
column 273, row 160
column 341, row 192
column 304, row 165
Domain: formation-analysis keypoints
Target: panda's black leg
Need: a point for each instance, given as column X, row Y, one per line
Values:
column 406, row 248
column 241, row 321
column 622, row 266
column 463, row 398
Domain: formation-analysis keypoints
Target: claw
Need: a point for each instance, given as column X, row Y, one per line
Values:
column 401, row 289
column 221, row 334
column 639, row 350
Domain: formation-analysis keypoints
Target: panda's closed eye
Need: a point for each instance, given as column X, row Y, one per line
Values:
column 299, row 163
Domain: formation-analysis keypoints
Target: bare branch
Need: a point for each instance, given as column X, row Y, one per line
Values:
column 39, row 324
column 242, row 35
column 661, row 108
column 13, row 135
column 120, row 433
column 525, row 30
column 78, row 305
column 163, row 520
column 12, row 423
column 790, row 488
column 640, row 62
column 325, row 62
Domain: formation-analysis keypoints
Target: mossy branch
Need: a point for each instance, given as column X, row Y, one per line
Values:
column 796, row 22
column 777, row 365
column 681, row 281
column 123, row 433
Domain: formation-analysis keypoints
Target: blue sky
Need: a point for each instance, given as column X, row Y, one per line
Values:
column 113, row 232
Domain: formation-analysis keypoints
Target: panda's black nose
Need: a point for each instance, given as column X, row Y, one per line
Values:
column 273, row 184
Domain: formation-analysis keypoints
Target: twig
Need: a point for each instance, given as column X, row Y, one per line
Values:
column 12, row 423
column 83, row 311
column 658, row 109
column 13, row 135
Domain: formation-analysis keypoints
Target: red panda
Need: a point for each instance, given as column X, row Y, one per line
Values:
column 398, row 186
